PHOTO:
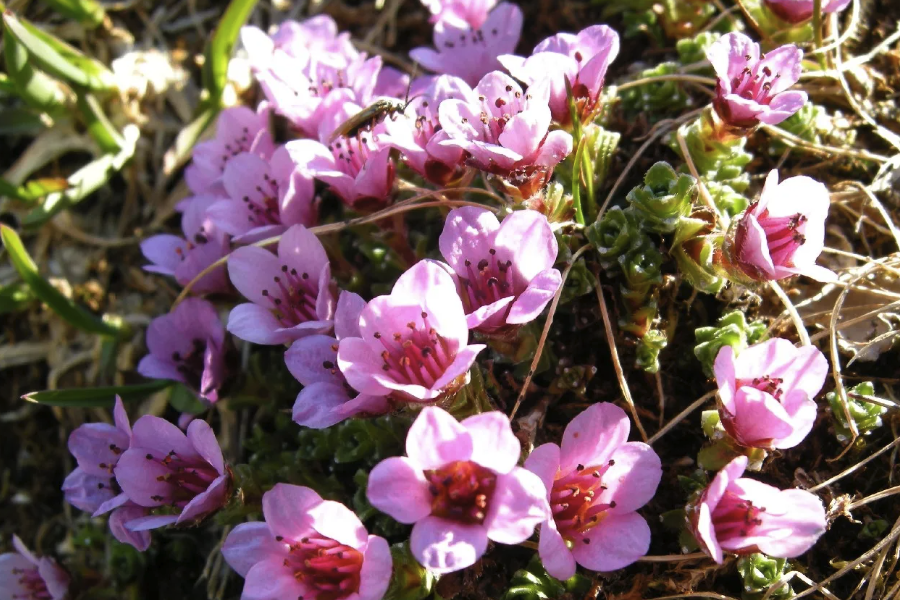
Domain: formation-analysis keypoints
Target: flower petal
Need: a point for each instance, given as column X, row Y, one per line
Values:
column 444, row 546
column 519, row 504
column 494, row 446
column 436, row 439
column 399, row 488
column 250, row 543
column 618, row 541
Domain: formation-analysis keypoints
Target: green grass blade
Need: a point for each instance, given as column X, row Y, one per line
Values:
column 59, row 304
column 35, row 88
column 218, row 54
column 87, row 12
column 101, row 397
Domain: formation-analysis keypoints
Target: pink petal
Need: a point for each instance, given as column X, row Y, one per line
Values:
column 469, row 233
column 300, row 249
column 618, row 541
column 162, row 251
column 55, row 578
column 555, row 554
column 483, row 314
column 271, row 580
column 526, row 235
column 150, row 522
column 524, row 132
column 723, row 369
column 544, row 462
column 632, row 481
column 375, row 574
column 202, row 437
column 118, row 525
column 346, row 315
column 557, row 146
column 287, row 510
column 161, row 437
column 90, row 445
column 444, row 546
column 399, row 488
column 519, row 504
column 204, row 503
column 461, row 364
column 494, row 446
column 759, row 418
column 319, row 405
column 592, row 437
column 250, row 543
column 313, row 359
column 336, row 521
column 530, row 303
column 256, row 324
column 253, row 270
column 436, row 439
column 362, row 367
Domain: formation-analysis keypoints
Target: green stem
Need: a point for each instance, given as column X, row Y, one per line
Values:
column 817, row 29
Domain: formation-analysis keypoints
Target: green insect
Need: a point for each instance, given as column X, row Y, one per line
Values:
column 369, row 117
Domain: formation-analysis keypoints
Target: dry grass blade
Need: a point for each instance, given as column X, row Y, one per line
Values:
column 681, row 416
column 855, row 467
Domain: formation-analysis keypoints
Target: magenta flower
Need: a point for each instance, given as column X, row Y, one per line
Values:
column 27, row 577
column 291, row 293
column 460, row 485
column 358, row 169
column 185, row 257
column 163, row 467
column 504, row 271
column 582, row 58
column 187, row 345
column 471, row 12
column 307, row 548
column 745, row 516
column 507, row 132
column 766, row 393
column 263, row 198
column 316, row 38
column 413, row 345
column 752, row 88
column 238, row 130
column 92, row 487
column 798, row 11
column 782, row 233
column 595, row 482
column 417, row 133
column 471, row 52
column 326, row 398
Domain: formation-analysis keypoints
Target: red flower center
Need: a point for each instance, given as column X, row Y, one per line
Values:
column 488, row 281
column 418, row 356
column 461, row 491
column 264, row 210
column 735, row 516
column 186, row 478
column 329, row 569
column 573, row 501
column 33, row 585
column 293, row 298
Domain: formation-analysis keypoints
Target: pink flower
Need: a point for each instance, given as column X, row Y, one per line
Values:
column 471, row 52
column 263, row 198
column 358, row 169
column 163, row 467
column 752, row 87
column 326, row 398
column 506, row 132
column 302, row 64
column 745, row 516
column 504, row 271
column 417, row 133
column 187, row 345
column 307, row 548
column 185, row 257
column 596, row 481
column 782, row 233
column 460, row 485
column 25, row 576
column 291, row 293
column 238, row 130
column 766, row 393
column 413, row 345
column 582, row 58
column 471, row 12
column 798, row 11
column 91, row 486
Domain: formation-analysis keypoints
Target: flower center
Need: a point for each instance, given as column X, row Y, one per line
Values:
column 235, row 146
column 755, row 83
column 351, row 153
column 418, row 355
column 782, row 235
column 573, row 501
column 186, row 478
column 293, row 298
column 190, row 364
column 329, row 569
column 735, row 516
column 496, row 112
column 461, row 491
column 488, row 281
column 770, row 385
column 263, row 208
column 32, row 583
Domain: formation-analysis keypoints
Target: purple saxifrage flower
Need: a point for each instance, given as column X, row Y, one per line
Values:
column 471, row 52
column 23, row 576
column 753, row 88
column 582, row 58
column 744, row 516
column 506, row 132
column 595, row 482
column 460, row 485
column 92, row 487
column 187, row 345
column 165, row 467
column 291, row 293
column 472, row 12
column 417, row 133
column 782, row 233
column 238, row 130
column 766, row 393
column 307, row 548
column 504, row 270
column 800, row 11
column 326, row 398
column 185, row 257
column 263, row 198
column 413, row 344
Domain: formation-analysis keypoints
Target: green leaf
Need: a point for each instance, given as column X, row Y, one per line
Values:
column 85, row 181
column 218, row 53
column 183, row 399
column 180, row 153
column 87, row 12
column 62, row 306
column 58, row 58
column 103, row 397
column 34, row 87
column 98, row 125
column 21, row 121
column 30, row 191
column 15, row 297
